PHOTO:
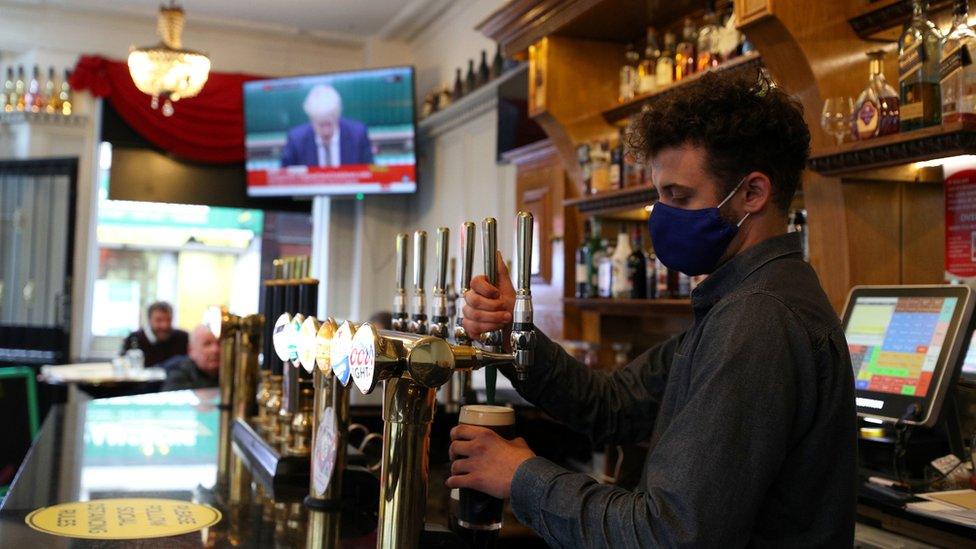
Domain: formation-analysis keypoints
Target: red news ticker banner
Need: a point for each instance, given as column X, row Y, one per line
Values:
column 960, row 222
column 318, row 177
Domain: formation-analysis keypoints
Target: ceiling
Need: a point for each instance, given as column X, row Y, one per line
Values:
column 347, row 20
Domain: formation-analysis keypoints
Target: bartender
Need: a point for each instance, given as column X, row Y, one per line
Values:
column 749, row 413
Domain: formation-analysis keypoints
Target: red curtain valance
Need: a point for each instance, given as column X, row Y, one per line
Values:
column 206, row 128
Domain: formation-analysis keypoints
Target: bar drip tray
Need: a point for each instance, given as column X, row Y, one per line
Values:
column 284, row 478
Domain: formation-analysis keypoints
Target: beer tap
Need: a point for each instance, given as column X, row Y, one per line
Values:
column 493, row 340
column 451, row 291
column 418, row 323
column 467, row 264
column 400, row 319
column 248, row 345
column 440, row 322
column 269, row 395
column 523, row 330
column 414, row 366
column 330, row 424
column 300, row 433
column 224, row 328
column 459, row 386
column 290, row 323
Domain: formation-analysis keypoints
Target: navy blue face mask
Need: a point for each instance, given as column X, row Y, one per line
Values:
column 691, row 241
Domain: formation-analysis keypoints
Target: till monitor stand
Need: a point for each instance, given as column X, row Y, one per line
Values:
column 906, row 346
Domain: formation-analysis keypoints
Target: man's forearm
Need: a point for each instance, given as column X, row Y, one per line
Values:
column 618, row 407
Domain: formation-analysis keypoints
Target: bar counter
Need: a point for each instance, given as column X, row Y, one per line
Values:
column 160, row 445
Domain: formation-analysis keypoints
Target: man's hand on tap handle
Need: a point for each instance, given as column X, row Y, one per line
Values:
column 487, row 307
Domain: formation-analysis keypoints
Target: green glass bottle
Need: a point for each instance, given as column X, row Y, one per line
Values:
column 919, row 55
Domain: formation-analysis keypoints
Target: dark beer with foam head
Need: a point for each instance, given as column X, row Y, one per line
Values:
column 479, row 516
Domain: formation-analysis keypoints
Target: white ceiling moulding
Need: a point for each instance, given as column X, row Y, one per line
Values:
column 201, row 22
column 412, row 19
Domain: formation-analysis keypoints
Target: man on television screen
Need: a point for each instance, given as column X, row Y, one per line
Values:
column 327, row 139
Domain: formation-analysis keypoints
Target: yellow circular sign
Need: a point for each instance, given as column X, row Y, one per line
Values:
column 124, row 518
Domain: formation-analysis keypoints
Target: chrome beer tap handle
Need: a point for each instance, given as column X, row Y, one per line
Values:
column 523, row 332
column 489, row 238
column 400, row 319
column 439, row 321
column 467, row 264
column 418, row 322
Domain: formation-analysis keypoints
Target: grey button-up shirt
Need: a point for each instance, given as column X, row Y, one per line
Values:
column 750, row 416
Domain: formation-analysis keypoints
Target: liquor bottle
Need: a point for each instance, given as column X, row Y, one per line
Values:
column 650, row 272
column 684, row 285
column 621, row 282
column 633, row 171
column 600, row 167
column 470, row 80
column 708, row 41
column 684, row 58
column 637, row 268
column 628, row 74
column 458, row 90
column 583, row 157
column 957, row 74
column 484, row 73
column 442, row 99
column 20, row 87
column 9, row 98
column 498, row 63
column 730, row 41
column 584, row 262
column 919, row 57
column 34, row 102
column 604, row 270
column 798, row 224
column 50, row 92
column 617, row 166
column 662, row 289
column 64, row 96
column 647, row 69
column 665, row 63
column 876, row 110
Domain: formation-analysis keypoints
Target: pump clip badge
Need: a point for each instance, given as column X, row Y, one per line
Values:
column 362, row 359
column 339, row 352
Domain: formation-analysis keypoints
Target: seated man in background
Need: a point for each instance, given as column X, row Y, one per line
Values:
column 199, row 368
column 160, row 341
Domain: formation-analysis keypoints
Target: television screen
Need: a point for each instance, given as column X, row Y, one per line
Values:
column 331, row 134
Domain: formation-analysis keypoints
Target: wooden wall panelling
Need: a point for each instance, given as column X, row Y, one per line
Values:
column 874, row 232
column 923, row 233
column 823, row 198
column 811, row 50
column 750, row 11
column 540, row 185
column 579, row 79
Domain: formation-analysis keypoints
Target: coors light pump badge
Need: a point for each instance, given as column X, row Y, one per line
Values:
column 362, row 358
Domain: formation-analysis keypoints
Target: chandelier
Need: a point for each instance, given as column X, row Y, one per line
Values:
column 167, row 71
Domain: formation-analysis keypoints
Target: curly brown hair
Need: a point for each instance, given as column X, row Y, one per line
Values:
column 744, row 126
